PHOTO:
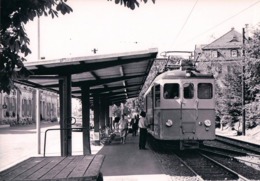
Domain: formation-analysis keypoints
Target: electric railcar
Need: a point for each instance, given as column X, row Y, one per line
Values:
column 180, row 107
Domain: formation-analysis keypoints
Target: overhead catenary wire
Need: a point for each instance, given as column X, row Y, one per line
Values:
column 215, row 26
column 188, row 17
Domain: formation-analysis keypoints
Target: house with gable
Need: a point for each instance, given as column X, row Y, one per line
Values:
column 222, row 54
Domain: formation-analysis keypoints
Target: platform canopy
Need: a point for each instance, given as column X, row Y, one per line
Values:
column 117, row 77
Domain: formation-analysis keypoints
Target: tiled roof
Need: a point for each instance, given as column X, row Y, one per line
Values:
column 231, row 39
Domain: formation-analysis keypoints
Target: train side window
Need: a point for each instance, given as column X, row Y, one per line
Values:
column 157, row 96
column 149, row 100
column 171, row 91
column 188, row 90
column 205, row 91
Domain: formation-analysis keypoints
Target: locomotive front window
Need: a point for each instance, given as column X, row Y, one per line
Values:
column 205, row 91
column 188, row 90
column 171, row 91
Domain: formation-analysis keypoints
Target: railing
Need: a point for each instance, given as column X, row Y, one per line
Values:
column 55, row 129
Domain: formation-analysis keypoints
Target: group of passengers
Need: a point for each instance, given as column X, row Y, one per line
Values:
column 121, row 125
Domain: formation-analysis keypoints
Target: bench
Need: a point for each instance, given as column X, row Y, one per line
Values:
column 56, row 168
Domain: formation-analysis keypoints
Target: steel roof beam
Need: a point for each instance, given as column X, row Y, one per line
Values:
column 86, row 67
column 92, row 83
column 103, row 90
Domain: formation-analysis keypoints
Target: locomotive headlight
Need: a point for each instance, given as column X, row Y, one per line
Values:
column 169, row 123
column 188, row 74
column 207, row 123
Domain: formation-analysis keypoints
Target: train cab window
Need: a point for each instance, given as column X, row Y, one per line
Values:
column 157, row 96
column 205, row 91
column 188, row 90
column 171, row 91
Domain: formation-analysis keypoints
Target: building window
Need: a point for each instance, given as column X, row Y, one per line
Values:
column 214, row 54
column 233, row 53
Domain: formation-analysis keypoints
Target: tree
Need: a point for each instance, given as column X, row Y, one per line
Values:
column 130, row 3
column 14, row 40
column 232, row 94
column 252, row 77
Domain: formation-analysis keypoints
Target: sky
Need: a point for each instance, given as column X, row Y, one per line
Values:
column 169, row 25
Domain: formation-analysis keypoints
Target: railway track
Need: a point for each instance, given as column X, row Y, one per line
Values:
column 242, row 145
column 210, row 162
column 247, row 164
column 207, row 168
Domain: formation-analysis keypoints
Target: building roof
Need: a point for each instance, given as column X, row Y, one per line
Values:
column 231, row 39
column 116, row 77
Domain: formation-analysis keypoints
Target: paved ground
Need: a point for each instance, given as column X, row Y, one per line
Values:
column 20, row 143
column 126, row 162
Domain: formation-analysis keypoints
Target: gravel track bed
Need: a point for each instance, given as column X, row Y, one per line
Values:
column 170, row 163
column 241, row 168
column 207, row 169
column 250, row 160
column 172, row 166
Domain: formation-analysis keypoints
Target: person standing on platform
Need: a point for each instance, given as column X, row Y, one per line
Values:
column 135, row 124
column 123, row 127
column 116, row 121
column 143, row 131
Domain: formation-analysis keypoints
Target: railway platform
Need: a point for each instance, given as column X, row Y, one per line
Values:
column 125, row 162
column 253, row 136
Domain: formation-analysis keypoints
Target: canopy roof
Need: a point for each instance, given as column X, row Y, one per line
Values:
column 117, row 77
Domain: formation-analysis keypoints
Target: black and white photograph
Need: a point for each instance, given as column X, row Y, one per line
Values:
column 130, row 90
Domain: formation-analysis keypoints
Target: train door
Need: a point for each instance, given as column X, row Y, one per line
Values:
column 155, row 127
column 170, row 114
column 206, row 110
column 189, row 115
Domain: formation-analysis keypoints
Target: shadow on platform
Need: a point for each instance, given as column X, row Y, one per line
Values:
column 127, row 161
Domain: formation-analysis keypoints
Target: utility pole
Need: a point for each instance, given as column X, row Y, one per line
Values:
column 243, row 84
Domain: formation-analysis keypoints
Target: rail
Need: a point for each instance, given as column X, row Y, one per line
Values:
column 55, row 129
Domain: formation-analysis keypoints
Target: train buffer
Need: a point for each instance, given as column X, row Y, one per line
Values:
column 56, row 168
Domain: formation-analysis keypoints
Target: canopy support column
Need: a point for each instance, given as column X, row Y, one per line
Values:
column 96, row 119
column 65, row 115
column 102, row 112
column 85, row 120
column 107, row 120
